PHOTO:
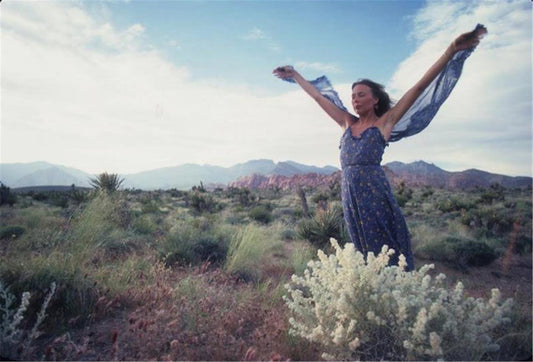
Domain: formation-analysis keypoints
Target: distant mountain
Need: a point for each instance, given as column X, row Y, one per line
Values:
column 41, row 174
column 186, row 176
column 254, row 174
column 422, row 173
column 180, row 177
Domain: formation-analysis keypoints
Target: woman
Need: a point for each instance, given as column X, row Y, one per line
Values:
column 371, row 213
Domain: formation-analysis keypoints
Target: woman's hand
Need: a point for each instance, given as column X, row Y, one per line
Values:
column 468, row 40
column 285, row 72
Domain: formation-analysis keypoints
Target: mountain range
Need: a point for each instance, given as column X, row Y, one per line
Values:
column 254, row 174
column 17, row 175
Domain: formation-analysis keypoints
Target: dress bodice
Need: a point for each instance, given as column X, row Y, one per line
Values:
column 365, row 150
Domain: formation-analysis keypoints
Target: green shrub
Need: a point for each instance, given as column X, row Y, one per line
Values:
column 453, row 204
column 357, row 309
column 6, row 196
column 288, row 234
column 494, row 193
column 76, row 294
column 39, row 196
column 459, row 252
column 195, row 243
column 11, row 232
column 242, row 195
column 202, row 202
column 324, row 225
column 150, row 207
column 144, row 225
column 261, row 214
column 403, row 194
column 77, row 195
column 494, row 219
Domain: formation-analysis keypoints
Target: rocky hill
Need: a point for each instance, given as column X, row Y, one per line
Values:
column 422, row 173
column 414, row 174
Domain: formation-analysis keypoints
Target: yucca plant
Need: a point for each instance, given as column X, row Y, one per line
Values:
column 324, row 225
column 107, row 182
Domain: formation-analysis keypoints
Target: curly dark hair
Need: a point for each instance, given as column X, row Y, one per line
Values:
column 378, row 91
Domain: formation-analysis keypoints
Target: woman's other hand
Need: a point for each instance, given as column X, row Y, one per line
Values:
column 468, row 40
column 285, row 72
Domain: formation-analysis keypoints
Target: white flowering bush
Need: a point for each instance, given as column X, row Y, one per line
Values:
column 359, row 309
column 13, row 341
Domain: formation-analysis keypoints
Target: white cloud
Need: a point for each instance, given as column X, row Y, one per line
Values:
column 256, row 34
column 486, row 122
column 318, row 66
column 89, row 95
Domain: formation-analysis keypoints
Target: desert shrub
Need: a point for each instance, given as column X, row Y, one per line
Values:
column 91, row 225
column 248, row 250
column 403, row 194
column 14, row 341
column 195, row 243
column 203, row 202
column 199, row 188
column 334, row 189
column 460, row 252
column 150, row 207
column 175, row 192
column 261, row 213
column 494, row 219
column 107, row 182
column 144, row 224
column 427, row 191
column 450, row 204
column 522, row 244
column 494, row 193
column 288, row 234
column 357, row 309
column 59, row 199
column 242, row 195
column 76, row 294
column 77, row 195
column 525, row 208
column 39, row 196
column 11, row 232
column 324, row 225
column 6, row 196
column 321, row 199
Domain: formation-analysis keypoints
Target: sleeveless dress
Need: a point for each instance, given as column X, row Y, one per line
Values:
column 371, row 213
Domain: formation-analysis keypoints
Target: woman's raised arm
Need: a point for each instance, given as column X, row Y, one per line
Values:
column 343, row 119
column 464, row 41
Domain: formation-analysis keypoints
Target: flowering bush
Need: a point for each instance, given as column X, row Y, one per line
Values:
column 359, row 309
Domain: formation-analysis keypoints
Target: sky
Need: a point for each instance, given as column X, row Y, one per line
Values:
column 128, row 86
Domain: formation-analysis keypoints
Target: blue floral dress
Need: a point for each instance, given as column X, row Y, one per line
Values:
column 372, row 214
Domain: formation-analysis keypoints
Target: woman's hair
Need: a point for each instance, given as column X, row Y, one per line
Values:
column 378, row 91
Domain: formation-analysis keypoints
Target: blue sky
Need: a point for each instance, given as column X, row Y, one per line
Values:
column 241, row 41
column 127, row 86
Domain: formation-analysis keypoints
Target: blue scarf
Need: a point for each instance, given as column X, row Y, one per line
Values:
column 425, row 107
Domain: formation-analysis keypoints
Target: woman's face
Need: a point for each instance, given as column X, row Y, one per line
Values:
column 363, row 101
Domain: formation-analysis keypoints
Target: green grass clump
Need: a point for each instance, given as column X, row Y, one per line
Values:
column 195, row 242
column 261, row 214
column 248, row 250
column 457, row 251
column 11, row 232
